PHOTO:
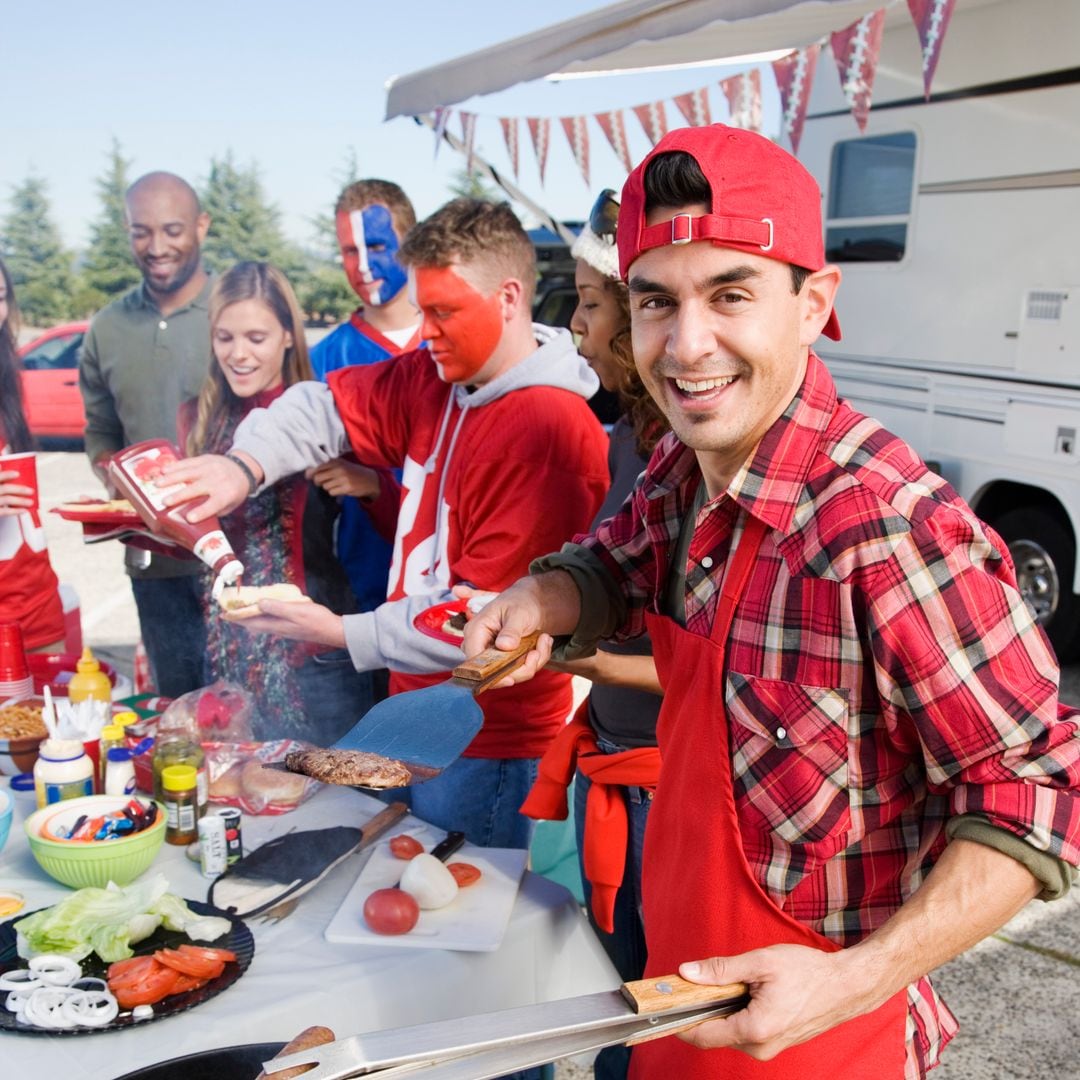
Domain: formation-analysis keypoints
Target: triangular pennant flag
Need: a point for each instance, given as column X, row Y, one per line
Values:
column 931, row 21
column 743, row 93
column 510, row 134
column 442, row 115
column 577, row 134
column 614, row 127
column 468, row 137
column 794, row 77
column 695, row 107
column 540, row 130
column 653, row 119
column 856, row 52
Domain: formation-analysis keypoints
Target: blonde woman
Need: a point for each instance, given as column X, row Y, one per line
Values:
column 283, row 534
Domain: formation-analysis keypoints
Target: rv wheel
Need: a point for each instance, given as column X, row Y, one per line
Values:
column 1044, row 552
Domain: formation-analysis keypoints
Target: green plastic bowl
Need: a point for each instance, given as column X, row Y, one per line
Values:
column 82, row 864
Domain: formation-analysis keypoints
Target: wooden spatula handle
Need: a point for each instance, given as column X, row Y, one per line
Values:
column 494, row 664
column 666, row 992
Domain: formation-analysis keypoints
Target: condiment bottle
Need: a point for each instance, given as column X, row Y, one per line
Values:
column 176, row 748
column 178, row 793
column 112, row 735
column 89, row 683
column 136, row 471
column 62, row 771
column 119, row 772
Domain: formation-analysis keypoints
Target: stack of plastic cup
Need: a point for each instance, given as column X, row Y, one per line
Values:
column 15, row 678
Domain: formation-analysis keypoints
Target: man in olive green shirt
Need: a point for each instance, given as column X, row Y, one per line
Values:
column 143, row 355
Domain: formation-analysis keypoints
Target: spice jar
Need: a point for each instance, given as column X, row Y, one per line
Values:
column 177, row 748
column 62, row 771
column 178, row 792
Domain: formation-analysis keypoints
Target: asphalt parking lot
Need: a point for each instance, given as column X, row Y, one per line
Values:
column 1017, row 994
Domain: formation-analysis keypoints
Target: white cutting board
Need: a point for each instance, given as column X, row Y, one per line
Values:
column 474, row 921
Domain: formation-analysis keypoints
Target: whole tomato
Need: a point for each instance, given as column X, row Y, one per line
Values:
column 405, row 846
column 391, row 911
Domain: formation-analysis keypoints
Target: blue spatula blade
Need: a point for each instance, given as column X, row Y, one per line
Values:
column 428, row 728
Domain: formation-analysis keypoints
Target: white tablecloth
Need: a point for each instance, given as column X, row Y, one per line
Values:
column 297, row 978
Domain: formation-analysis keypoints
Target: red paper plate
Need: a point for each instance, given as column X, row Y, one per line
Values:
column 94, row 512
column 431, row 621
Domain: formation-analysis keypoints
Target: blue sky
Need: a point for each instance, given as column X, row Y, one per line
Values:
column 291, row 86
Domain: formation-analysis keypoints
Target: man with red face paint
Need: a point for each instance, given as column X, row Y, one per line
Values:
column 371, row 218
column 501, row 457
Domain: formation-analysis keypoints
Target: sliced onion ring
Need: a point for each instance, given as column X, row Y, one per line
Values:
column 19, row 979
column 55, row 970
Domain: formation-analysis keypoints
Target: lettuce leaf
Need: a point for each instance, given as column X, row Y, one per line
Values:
column 109, row 921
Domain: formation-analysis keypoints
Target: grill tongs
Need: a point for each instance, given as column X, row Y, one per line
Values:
column 493, row 1044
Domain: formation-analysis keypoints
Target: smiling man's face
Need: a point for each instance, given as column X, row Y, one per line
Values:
column 720, row 341
column 166, row 231
column 369, row 246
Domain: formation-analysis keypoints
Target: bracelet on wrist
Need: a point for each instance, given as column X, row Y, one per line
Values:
column 253, row 484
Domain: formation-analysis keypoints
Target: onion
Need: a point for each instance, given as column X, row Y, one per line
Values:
column 428, row 880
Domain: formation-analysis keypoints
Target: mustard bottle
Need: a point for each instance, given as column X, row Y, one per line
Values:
column 89, row 683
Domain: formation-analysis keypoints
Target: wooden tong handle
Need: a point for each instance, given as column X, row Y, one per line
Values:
column 494, row 664
column 666, row 993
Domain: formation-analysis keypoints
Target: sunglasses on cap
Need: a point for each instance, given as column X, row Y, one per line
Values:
column 604, row 215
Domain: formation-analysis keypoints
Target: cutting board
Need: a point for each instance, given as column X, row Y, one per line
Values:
column 475, row 921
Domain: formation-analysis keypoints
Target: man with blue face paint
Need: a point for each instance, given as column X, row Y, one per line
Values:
column 371, row 218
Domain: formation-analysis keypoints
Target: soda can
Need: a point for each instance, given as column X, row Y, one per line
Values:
column 233, row 842
column 213, row 848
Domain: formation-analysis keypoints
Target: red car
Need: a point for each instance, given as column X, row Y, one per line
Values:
column 50, row 382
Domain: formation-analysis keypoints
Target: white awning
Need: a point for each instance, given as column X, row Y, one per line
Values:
column 631, row 35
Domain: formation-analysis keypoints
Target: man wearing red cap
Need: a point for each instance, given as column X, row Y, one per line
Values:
column 866, row 768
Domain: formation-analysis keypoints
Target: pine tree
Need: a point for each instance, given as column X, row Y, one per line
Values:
column 472, row 186
column 40, row 268
column 243, row 224
column 109, row 268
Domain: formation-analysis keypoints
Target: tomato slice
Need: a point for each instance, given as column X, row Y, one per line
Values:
column 120, row 967
column 184, row 983
column 198, row 967
column 145, row 985
column 405, row 846
column 224, row 955
column 465, row 873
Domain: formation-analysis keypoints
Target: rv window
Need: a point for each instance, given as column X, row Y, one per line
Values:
column 870, row 198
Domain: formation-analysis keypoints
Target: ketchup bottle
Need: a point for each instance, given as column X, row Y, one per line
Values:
column 136, row 473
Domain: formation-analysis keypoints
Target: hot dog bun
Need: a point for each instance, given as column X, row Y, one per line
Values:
column 243, row 603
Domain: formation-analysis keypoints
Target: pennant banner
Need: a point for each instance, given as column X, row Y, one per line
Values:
column 468, row 137
column 794, row 77
column 441, row 117
column 931, row 21
column 614, row 127
column 540, row 130
column 856, row 51
column 695, row 107
column 653, row 119
column 743, row 93
column 577, row 134
column 510, row 135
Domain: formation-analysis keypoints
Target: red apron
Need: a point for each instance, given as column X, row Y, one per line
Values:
column 700, row 896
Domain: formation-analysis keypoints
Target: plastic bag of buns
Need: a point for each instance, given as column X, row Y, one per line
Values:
column 237, row 777
column 220, row 712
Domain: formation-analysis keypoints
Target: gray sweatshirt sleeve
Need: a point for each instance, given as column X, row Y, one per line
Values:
column 301, row 429
column 386, row 637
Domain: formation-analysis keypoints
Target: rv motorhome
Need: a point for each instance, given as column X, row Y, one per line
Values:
column 956, row 222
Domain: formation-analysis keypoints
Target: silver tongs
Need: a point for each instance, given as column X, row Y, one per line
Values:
column 492, row 1044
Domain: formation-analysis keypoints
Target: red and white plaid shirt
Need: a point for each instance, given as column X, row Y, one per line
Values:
column 883, row 675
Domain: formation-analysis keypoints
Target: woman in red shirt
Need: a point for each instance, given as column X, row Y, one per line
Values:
column 29, row 591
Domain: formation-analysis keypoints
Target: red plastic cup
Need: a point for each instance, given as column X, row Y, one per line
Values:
column 13, row 665
column 26, row 467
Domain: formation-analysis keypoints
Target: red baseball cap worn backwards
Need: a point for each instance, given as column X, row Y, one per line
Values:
column 763, row 202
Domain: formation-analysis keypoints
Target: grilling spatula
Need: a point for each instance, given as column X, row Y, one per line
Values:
column 426, row 730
